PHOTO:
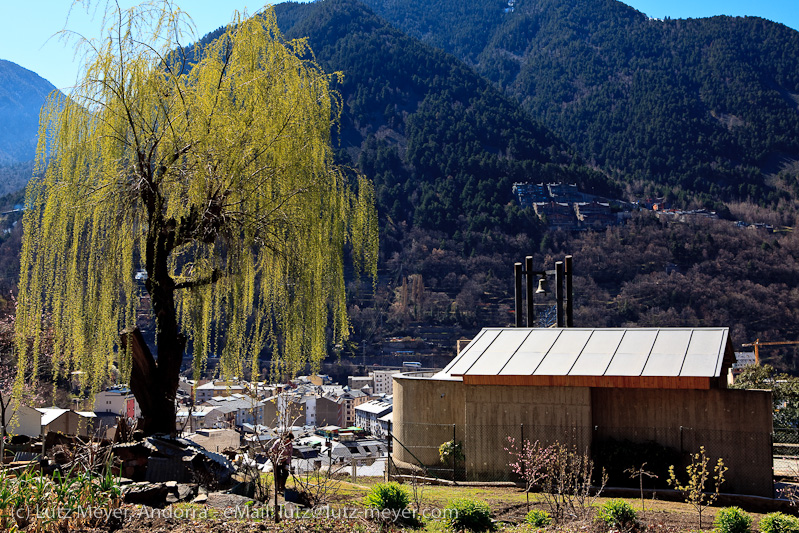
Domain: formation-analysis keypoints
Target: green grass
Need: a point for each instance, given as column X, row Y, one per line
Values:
column 352, row 496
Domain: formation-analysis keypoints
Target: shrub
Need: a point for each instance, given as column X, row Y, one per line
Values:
column 388, row 496
column 618, row 514
column 451, row 452
column 538, row 518
column 779, row 523
column 732, row 520
column 462, row 514
column 529, row 461
column 704, row 482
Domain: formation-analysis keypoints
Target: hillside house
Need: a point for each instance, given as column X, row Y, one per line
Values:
column 529, row 193
column 239, row 409
column 206, row 391
column 35, row 422
column 118, row 400
column 347, row 403
column 583, row 386
column 327, row 411
column 202, row 417
column 557, row 214
column 595, row 214
column 564, row 192
column 367, row 415
column 383, row 382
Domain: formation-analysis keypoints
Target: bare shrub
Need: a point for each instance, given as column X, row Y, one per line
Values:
column 566, row 483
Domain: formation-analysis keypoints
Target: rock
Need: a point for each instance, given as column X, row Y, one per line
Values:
column 200, row 499
column 186, row 491
column 171, row 485
column 244, row 488
column 151, row 494
column 219, row 500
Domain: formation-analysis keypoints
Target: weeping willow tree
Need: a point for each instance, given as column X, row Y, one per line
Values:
column 213, row 182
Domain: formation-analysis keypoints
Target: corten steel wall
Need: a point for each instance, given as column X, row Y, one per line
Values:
column 546, row 414
column 425, row 411
column 735, row 425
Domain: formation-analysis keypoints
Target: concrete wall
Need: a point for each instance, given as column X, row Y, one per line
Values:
column 425, row 411
column 734, row 425
column 546, row 414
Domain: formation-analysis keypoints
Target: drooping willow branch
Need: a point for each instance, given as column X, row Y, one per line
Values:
column 216, row 178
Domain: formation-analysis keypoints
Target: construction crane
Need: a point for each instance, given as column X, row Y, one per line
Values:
column 757, row 344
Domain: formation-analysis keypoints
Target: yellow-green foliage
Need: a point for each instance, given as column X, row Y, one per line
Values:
column 232, row 157
column 703, row 485
column 30, row 501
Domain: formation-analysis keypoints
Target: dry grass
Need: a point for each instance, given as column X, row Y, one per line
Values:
column 508, row 506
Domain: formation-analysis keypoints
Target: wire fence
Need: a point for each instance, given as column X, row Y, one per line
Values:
column 786, row 442
column 484, row 452
column 786, row 453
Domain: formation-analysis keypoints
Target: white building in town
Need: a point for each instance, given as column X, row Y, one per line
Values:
column 117, row 400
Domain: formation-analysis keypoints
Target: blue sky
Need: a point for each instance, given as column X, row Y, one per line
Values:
column 784, row 11
column 26, row 39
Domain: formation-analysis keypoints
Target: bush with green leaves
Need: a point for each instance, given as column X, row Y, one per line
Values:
column 538, row 518
column 451, row 452
column 732, row 520
column 391, row 496
column 704, row 481
column 462, row 514
column 779, row 523
column 618, row 514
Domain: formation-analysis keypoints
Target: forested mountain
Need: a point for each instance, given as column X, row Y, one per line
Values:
column 553, row 91
column 22, row 94
column 442, row 145
column 705, row 106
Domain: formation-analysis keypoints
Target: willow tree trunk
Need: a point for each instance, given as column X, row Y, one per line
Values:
column 154, row 383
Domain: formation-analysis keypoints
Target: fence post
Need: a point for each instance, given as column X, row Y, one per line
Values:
column 390, row 450
column 523, row 448
column 771, row 438
column 454, row 455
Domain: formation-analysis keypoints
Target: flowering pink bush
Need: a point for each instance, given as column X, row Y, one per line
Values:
column 529, row 461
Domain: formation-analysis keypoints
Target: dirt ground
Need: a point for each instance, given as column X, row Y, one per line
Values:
column 661, row 517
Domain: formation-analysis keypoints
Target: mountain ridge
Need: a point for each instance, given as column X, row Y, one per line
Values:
column 439, row 141
column 22, row 94
column 701, row 106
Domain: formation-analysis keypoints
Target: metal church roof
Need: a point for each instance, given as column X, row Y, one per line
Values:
column 585, row 352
